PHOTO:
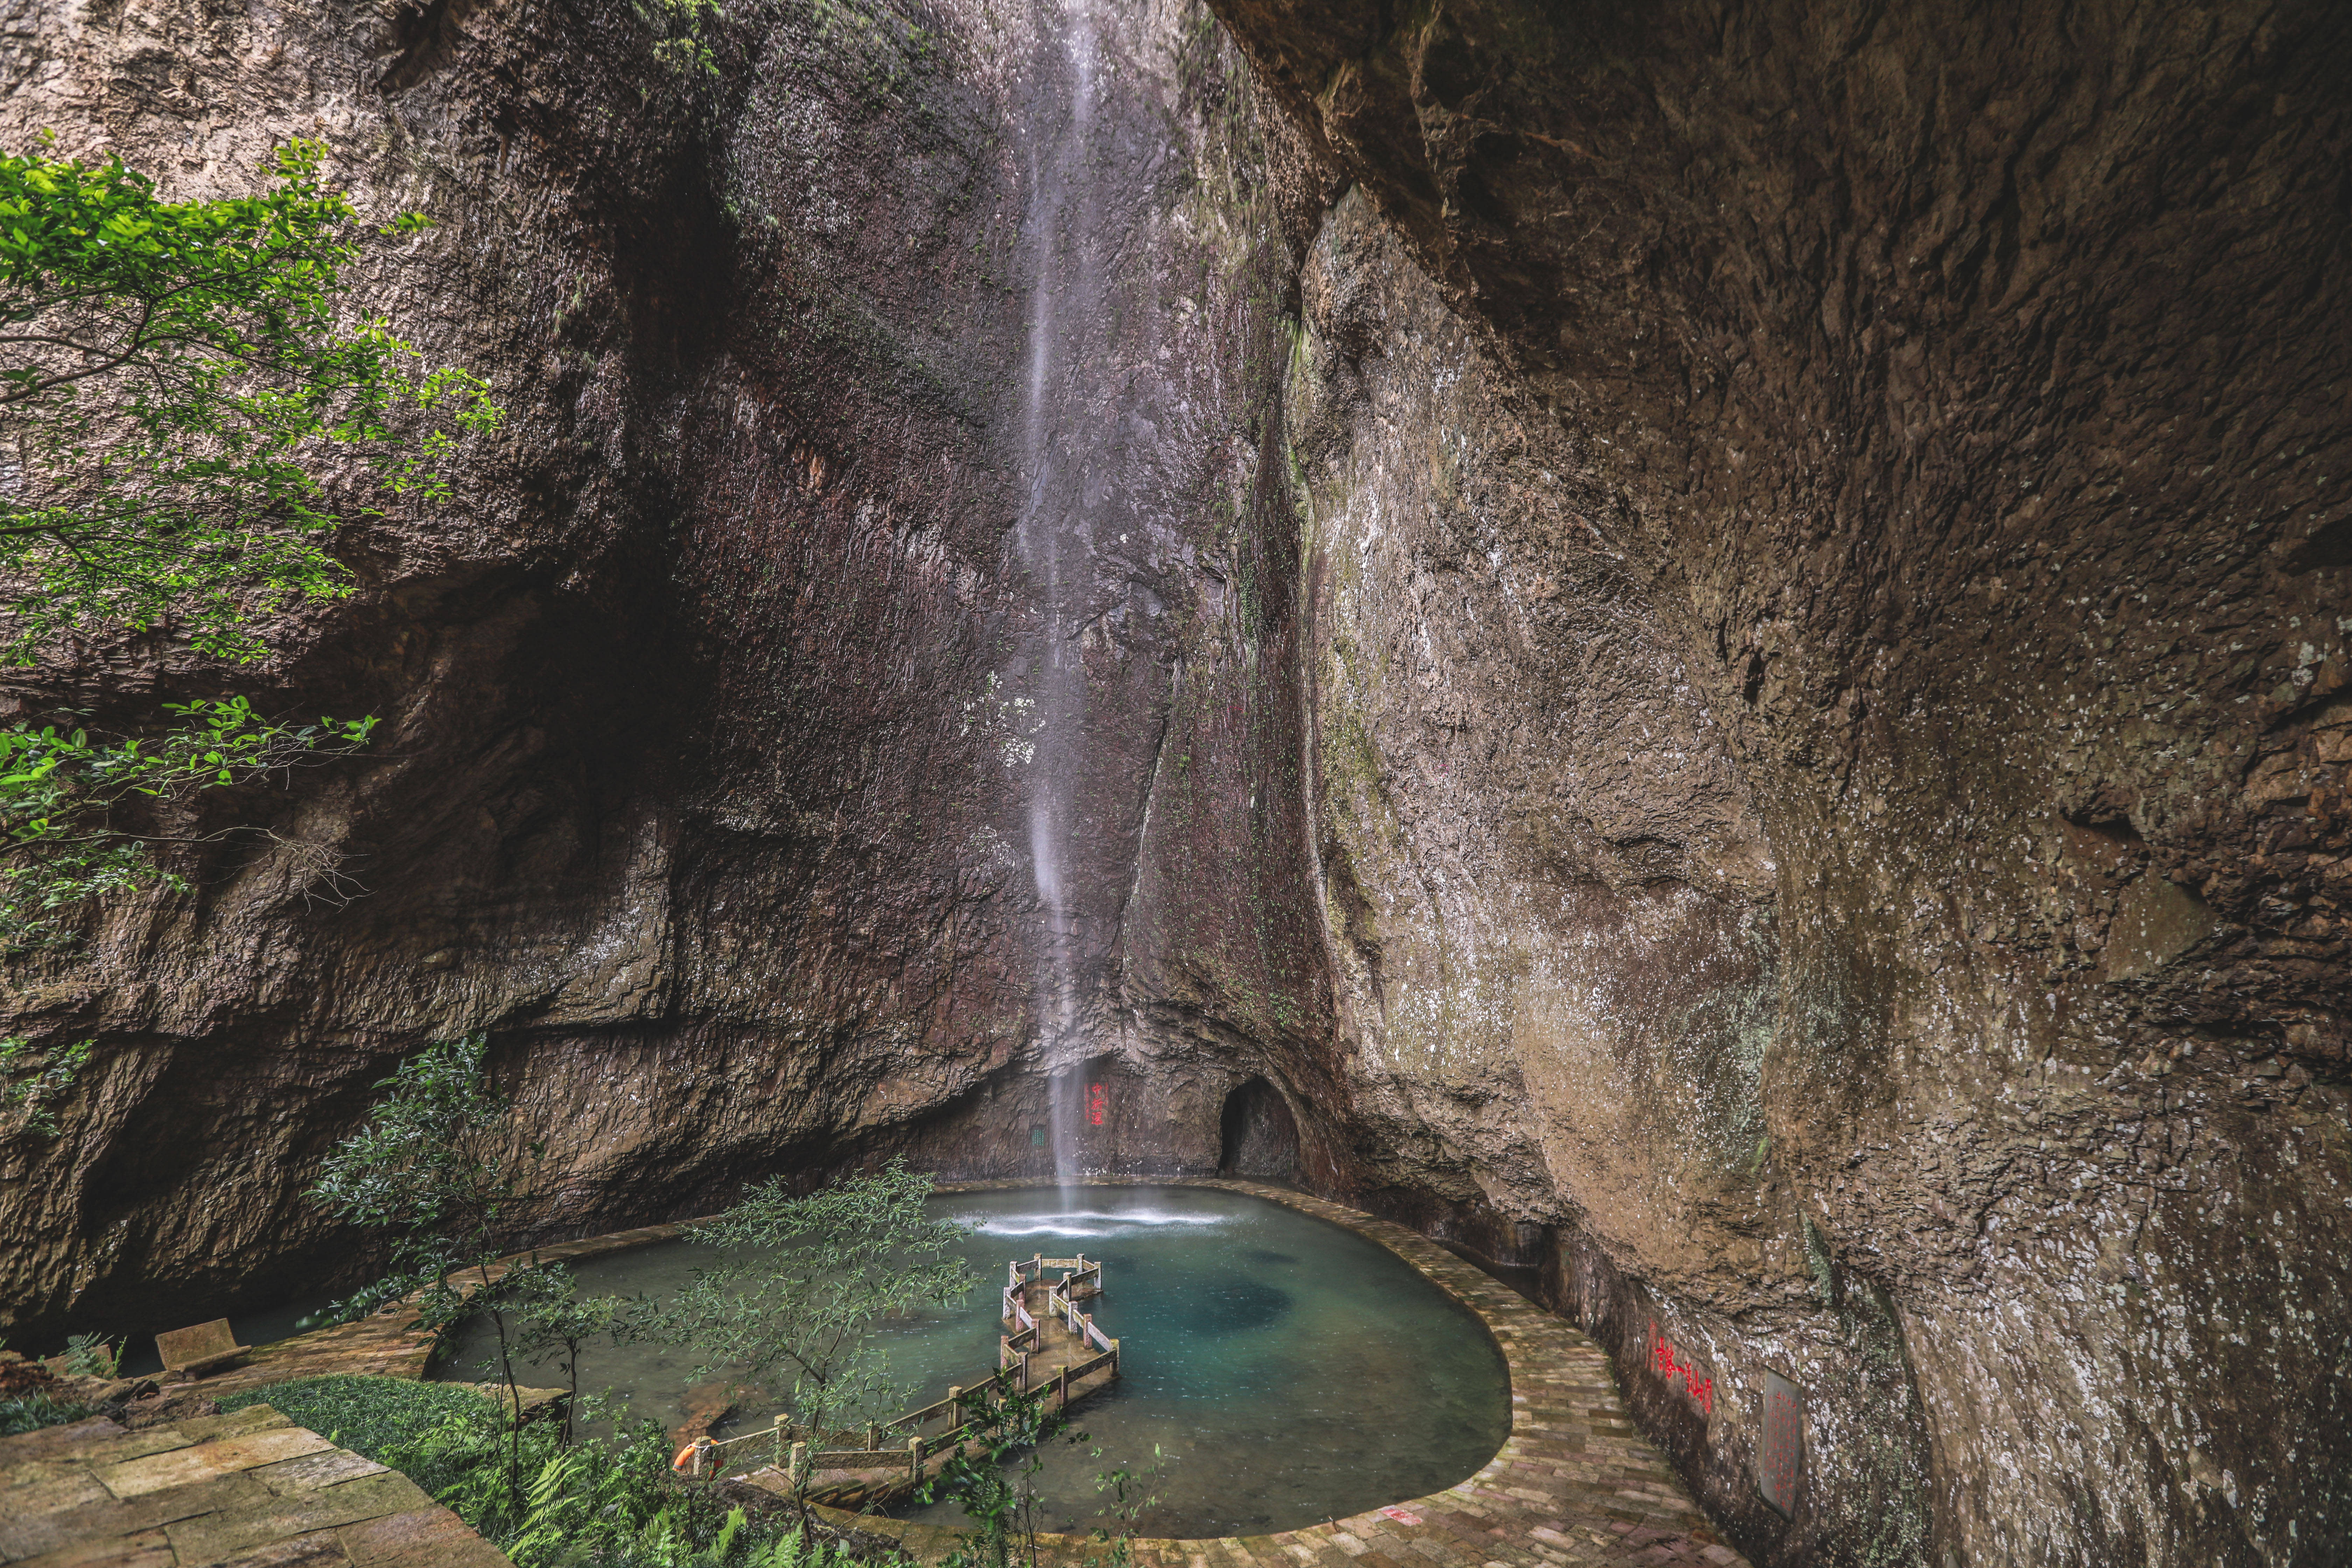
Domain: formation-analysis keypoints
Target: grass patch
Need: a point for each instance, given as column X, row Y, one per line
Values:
column 31, row 1412
column 369, row 1415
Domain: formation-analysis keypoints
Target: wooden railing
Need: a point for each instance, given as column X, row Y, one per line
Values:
column 1062, row 1303
column 796, row 1449
column 1062, row 1297
column 1083, row 1277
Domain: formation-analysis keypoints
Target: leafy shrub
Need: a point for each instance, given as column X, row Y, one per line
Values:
column 606, row 1505
column 88, row 1355
column 31, row 1412
column 371, row 1417
column 594, row 1504
column 593, row 1501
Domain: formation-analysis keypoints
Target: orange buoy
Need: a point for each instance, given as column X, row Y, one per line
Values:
column 685, row 1458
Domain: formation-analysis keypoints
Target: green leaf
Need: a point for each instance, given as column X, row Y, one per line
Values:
column 217, row 323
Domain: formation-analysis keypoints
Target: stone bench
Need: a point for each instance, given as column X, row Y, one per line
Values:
column 192, row 1352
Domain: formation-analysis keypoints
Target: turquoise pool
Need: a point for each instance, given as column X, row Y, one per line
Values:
column 1290, row 1370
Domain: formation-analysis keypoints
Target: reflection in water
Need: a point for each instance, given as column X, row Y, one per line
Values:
column 1292, row 1371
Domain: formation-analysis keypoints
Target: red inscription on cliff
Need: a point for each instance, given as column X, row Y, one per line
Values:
column 1097, row 1102
column 1668, row 1364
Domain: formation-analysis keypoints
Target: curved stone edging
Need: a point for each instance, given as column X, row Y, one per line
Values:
column 1574, row 1482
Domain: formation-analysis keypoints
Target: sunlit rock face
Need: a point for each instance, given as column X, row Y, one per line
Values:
column 1699, row 652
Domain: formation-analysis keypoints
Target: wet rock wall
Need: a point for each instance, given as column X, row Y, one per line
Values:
column 717, row 706
column 1964, row 447
column 1706, row 637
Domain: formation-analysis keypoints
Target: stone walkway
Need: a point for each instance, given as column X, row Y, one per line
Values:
column 249, row 1488
column 388, row 1343
column 1575, row 1483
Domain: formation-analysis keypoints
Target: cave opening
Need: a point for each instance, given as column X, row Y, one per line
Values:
column 1258, row 1136
column 1129, row 585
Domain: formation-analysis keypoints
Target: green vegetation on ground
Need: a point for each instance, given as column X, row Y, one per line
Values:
column 592, row 1504
column 371, row 1417
column 31, row 1412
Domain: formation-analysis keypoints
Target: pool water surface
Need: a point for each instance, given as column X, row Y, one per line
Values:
column 1289, row 1370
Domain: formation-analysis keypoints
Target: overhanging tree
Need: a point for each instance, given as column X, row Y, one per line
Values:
column 802, row 1283
column 179, row 381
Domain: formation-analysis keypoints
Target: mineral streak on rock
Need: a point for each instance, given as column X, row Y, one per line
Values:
column 1708, row 634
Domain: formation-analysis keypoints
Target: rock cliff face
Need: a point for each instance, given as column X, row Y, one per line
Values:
column 873, row 613
column 1829, row 764
column 1700, row 653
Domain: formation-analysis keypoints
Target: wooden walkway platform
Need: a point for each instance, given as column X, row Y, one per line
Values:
column 248, row 1488
column 1049, row 1346
column 1575, row 1486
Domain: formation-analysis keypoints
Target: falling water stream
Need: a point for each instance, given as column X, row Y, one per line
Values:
column 1065, row 289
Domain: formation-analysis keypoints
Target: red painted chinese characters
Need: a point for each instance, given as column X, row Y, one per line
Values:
column 1666, row 1364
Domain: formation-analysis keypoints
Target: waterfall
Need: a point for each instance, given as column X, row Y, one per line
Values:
column 1066, row 288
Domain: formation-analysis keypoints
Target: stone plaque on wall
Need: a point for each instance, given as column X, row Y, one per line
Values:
column 1781, row 1459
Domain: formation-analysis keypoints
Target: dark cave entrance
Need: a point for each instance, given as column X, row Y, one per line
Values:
column 1261, row 1139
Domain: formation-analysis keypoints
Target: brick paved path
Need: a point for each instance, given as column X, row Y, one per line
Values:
column 388, row 1343
column 249, row 1488
column 1575, row 1484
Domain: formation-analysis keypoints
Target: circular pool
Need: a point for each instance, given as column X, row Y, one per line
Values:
column 1290, row 1370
